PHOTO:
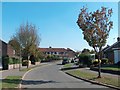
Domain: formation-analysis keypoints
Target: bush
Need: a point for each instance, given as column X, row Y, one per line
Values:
column 5, row 61
column 104, row 61
column 95, row 62
column 32, row 59
column 51, row 58
column 24, row 62
column 85, row 59
column 11, row 61
column 37, row 60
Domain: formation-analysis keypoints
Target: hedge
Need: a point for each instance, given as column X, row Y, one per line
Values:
column 85, row 59
column 6, row 60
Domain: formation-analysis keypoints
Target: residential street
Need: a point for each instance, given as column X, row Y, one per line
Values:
column 51, row 77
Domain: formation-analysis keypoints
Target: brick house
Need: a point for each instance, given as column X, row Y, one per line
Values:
column 6, row 49
column 61, row 52
column 112, row 52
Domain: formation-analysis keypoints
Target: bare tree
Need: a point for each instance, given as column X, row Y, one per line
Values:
column 28, row 38
column 96, row 27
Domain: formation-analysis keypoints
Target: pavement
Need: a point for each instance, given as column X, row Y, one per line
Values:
column 14, row 72
column 51, row 76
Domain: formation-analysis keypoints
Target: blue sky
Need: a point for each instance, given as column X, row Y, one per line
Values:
column 56, row 21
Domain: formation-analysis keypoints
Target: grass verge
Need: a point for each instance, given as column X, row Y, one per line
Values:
column 67, row 65
column 111, row 68
column 92, row 76
column 11, row 81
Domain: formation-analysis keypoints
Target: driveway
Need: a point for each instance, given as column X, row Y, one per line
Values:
column 51, row 77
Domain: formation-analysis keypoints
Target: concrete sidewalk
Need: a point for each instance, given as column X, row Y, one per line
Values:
column 15, row 72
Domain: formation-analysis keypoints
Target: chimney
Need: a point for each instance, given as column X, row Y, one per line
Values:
column 118, row 39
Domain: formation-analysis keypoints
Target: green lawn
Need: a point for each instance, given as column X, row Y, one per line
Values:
column 92, row 76
column 11, row 81
column 112, row 67
column 67, row 65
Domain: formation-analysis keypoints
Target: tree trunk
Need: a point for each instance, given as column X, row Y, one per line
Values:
column 27, row 62
column 99, row 66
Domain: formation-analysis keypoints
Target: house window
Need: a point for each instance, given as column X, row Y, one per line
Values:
column 57, row 53
column 52, row 53
column 65, row 53
column 61, row 52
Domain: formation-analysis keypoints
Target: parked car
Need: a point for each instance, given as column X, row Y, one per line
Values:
column 65, row 61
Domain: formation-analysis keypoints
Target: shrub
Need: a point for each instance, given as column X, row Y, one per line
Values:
column 11, row 61
column 104, row 61
column 5, row 61
column 37, row 60
column 24, row 62
column 95, row 62
column 85, row 59
column 32, row 59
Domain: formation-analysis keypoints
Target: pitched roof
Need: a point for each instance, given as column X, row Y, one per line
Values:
column 112, row 46
column 52, row 49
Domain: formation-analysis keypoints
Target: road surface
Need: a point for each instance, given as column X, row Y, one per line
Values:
column 51, row 76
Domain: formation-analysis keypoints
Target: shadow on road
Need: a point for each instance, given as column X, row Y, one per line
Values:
column 34, row 82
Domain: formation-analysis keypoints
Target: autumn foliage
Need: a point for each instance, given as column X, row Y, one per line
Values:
column 96, row 27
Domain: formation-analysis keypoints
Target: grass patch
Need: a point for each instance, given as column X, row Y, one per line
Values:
column 11, row 81
column 92, row 76
column 111, row 67
column 67, row 65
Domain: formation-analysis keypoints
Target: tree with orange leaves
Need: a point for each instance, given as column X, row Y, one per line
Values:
column 96, row 27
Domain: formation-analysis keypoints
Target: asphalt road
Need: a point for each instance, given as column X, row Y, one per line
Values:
column 51, row 76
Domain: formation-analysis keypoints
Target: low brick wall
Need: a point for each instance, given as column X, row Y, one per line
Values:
column 14, row 66
column 29, row 63
column 10, row 66
column 37, row 63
